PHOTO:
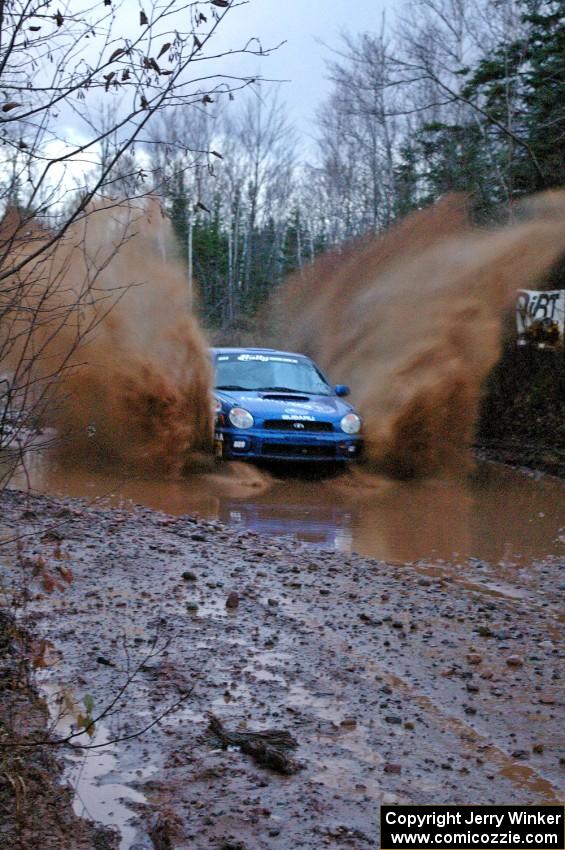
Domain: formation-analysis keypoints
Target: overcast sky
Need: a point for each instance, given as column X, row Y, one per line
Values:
column 306, row 26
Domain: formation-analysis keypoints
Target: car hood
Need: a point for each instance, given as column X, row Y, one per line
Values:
column 268, row 404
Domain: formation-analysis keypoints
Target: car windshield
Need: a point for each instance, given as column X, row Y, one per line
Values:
column 269, row 372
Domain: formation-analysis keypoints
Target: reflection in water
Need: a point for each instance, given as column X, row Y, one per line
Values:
column 325, row 525
column 498, row 514
column 88, row 770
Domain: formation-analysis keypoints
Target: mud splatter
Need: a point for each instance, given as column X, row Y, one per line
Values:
column 239, row 480
column 412, row 320
column 108, row 343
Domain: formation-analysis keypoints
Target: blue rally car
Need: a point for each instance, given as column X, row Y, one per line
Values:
column 276, row 405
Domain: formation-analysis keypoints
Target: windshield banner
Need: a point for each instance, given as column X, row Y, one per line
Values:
column 540, row 318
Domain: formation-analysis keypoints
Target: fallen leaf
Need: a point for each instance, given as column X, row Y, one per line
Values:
column 48, row 583
column 392, row 768
column 66, row 574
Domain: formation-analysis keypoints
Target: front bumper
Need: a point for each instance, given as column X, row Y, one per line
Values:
column 272, row 445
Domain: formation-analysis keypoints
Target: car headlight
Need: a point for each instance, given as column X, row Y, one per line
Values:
column 351, row 423
column 240, row 418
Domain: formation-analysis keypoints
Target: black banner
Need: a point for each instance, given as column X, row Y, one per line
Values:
column 472, row 827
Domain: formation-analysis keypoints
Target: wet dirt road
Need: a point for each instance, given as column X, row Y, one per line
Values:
column 434, row 681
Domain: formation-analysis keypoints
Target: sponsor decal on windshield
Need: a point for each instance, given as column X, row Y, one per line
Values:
column 294, row 411
column 266, row 358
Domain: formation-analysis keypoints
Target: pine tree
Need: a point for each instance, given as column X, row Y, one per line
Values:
column 531, row 72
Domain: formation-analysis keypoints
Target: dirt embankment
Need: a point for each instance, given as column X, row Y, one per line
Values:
column 35, row 809
column 416, row 683
column 522, row 419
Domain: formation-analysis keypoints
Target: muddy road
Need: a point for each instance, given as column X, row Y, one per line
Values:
column 431, row 681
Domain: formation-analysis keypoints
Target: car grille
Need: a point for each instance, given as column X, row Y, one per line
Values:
column 299, row 425
column 290, row 449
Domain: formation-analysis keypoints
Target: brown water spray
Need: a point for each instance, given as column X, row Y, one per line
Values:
column 411, row 320
column 125, row 361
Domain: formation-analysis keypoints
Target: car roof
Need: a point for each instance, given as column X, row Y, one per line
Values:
column 246, row 350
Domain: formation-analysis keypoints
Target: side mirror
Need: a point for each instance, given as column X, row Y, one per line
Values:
column 342, row 390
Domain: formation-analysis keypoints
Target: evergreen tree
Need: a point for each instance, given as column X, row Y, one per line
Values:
column 530, row 72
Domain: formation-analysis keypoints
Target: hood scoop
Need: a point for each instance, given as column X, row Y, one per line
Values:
column 285, row 396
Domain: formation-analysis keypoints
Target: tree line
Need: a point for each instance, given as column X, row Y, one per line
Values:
column 453, row 95
column 448, row 95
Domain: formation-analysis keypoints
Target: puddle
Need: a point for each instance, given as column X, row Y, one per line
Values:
column 258, row 673
column 498, row 515
column 92, row 773
column 349, row 759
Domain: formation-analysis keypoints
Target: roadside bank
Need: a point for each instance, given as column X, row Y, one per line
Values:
column 522, row 415
column 35, row 807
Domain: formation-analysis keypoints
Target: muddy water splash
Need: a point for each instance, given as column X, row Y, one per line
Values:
column 412, row 320
column 133, row 377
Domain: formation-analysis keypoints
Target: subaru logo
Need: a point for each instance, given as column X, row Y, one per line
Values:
column 298, row 425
